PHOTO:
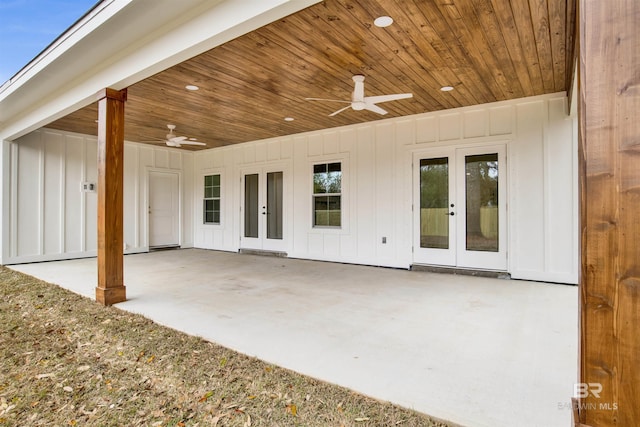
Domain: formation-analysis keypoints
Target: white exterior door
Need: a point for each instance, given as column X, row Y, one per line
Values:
column 164, row 209
column 263, row 214
column 460, row 207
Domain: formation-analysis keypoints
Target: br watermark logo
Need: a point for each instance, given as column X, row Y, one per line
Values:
column 585, row 390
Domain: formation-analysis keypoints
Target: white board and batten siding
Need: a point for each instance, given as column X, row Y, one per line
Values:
column 377, row 188
column 51, row 217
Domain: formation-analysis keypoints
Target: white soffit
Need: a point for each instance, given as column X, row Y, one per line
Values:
column 121, row 42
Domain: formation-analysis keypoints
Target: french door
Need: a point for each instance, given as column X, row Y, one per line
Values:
column 263, row 214
column 460, row 207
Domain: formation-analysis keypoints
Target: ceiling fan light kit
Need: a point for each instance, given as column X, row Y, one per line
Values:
column 360, row 102
column 172, row 140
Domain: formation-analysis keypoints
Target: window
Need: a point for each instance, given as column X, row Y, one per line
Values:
column 211, row 203
column 327, row 194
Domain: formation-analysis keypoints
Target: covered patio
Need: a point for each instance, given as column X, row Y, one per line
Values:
column 475, row 351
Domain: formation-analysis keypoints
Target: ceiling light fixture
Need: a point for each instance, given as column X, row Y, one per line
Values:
column 289, row 119
column 383, row 21
column 191, row 87
column 446, row 88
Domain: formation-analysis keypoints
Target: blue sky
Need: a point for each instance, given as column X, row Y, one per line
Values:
column 28, row 26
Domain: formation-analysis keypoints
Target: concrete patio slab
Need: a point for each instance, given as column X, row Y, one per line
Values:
column 475, row 351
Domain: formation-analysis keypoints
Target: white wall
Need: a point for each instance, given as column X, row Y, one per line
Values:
column 377, row 185
column 51, row 218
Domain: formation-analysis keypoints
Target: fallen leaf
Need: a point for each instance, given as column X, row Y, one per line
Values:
column 68, row 389
column 223, row 362
column 252, row 397
column 248, row 422
column 206, row 396
column 151, row 359
column 41, row 376
column 83, row 368
column 360, row 419
column 217, row 418
column 293, row 409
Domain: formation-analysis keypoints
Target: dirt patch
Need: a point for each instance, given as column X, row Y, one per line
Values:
column 68, row 361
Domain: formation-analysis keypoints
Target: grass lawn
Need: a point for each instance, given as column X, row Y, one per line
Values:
column 67, row 361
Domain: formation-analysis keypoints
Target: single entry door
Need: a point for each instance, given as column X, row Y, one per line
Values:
column 164, row 209
column 460, row 208
column 263, row 210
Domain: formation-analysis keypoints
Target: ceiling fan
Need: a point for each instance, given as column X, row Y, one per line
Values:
column 360, row 102
column 177, row 141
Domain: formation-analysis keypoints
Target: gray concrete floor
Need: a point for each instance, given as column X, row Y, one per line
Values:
column 475, row 351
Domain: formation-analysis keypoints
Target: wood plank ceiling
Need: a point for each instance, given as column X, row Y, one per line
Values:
column 487, row 50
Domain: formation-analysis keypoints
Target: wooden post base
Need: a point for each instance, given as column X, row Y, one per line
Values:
column 110, row 296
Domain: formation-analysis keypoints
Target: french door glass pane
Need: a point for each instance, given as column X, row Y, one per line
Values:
column 434, row 203
column 481, row 188
column 274, row 205
column 251, row 205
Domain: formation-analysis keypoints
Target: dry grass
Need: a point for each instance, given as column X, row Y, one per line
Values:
column 68, row 361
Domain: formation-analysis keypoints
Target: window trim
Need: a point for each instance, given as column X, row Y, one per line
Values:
column 204, row 199
column 314, row 195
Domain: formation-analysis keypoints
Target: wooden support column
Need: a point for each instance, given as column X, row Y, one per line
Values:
column 111, row 289
column 609, row 153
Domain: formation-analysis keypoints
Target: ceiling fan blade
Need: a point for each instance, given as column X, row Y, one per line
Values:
column 339, row 111
column 330, row 100
column 192, row 143
column 172, row 143
column 386, row 98
column 177, row 139
column 374, row 108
